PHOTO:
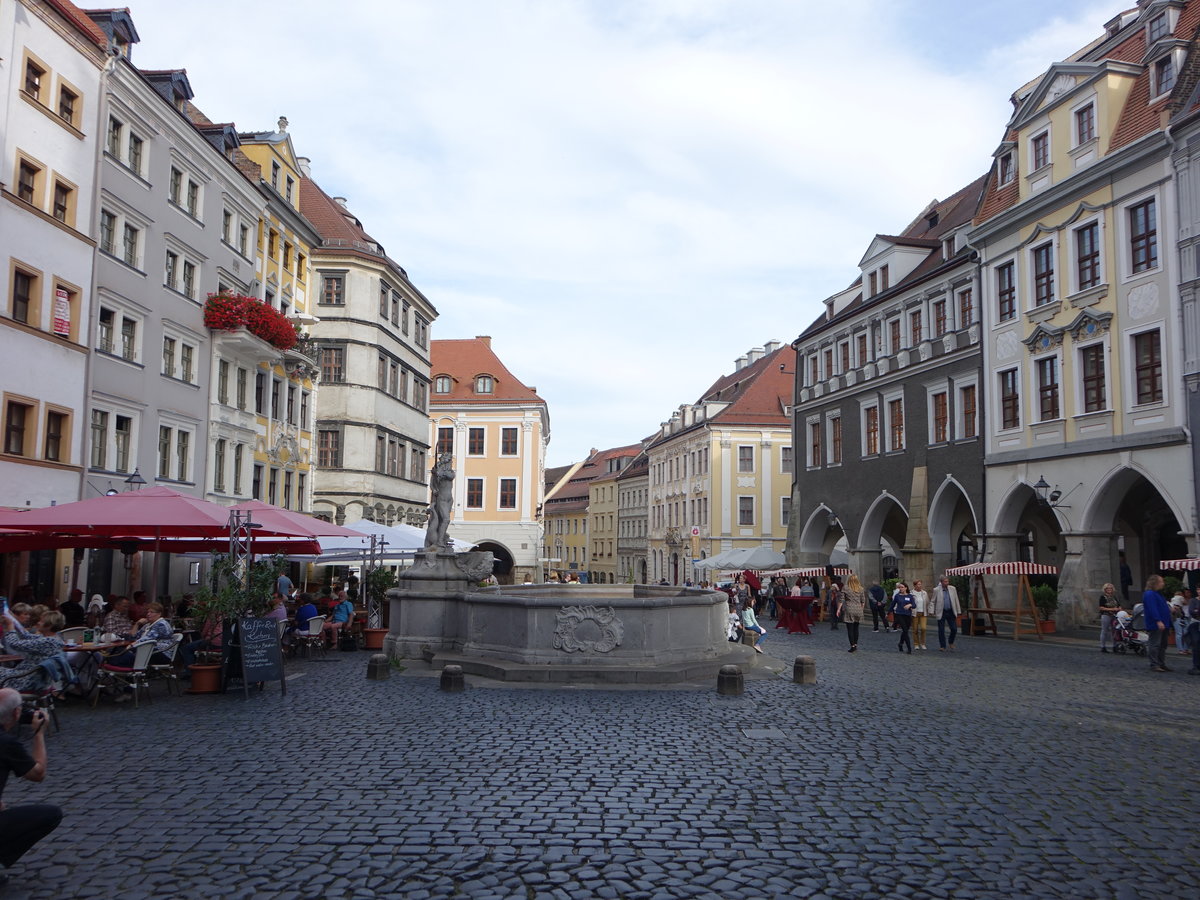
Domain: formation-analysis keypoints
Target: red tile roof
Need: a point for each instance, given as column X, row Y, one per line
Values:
column 757, row 393
column 462, row 360
column 574, row 494
column 77, row 17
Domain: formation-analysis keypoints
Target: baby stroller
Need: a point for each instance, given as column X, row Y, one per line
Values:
column 1126, row 639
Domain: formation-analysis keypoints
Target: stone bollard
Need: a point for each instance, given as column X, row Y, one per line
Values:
column 452, row 680
column 730, row 682
column 804, row 670
column 378, row 667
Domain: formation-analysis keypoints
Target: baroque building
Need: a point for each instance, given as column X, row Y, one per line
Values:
column 720, row 470
column 496, row 428
column 372, row 408
column 633, row 491
column 1087, row 451
column 886, row 416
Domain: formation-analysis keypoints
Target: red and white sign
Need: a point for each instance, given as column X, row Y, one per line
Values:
column 62, row 313
column 695, row 531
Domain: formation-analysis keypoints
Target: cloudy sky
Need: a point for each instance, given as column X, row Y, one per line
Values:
column 625, row 194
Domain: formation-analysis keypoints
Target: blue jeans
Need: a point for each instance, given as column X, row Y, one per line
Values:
column 948, row 616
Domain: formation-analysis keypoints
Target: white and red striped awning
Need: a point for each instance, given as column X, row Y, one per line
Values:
column 812, row 572
column 1180, row 565
column 1003, row 568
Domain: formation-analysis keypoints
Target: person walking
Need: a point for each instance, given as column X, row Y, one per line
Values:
column 945, row 601
column 921, row 601
column 903, row 605
column 1157, row 614
column 852, row 603
column 879, row 606
column 1110, row 605
column 834, row 602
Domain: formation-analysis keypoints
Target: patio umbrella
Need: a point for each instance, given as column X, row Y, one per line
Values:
column 276, row 518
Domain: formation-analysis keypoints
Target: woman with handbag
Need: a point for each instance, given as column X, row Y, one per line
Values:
column 852, row 603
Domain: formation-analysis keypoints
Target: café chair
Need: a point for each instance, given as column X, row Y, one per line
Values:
column 72, row 635
column 312, row 637
column 133, row 677
column 56, row 676
column 166, row 671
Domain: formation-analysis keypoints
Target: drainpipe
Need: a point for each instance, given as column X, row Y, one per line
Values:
column 977, row 258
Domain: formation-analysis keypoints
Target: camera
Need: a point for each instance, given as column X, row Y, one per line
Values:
column 26, row 716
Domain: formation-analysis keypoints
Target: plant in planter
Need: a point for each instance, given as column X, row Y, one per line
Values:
column 226, row 311
column 231, row 597
column 1045, row 598
column 378, row 582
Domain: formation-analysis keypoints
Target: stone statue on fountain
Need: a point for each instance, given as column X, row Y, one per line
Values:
column 441, row 489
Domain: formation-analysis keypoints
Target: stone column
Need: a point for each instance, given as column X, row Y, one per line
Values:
column 867, row 563
column 918, row 548
column 1090, row 561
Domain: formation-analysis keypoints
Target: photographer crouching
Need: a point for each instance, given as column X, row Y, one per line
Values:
column 22, row 826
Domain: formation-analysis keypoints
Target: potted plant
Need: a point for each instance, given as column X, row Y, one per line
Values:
column 378, row 582
column 230, row 597
column 1045, row 598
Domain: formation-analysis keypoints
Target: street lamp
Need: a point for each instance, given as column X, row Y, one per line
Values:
column 135, row 481
column 1051, row 497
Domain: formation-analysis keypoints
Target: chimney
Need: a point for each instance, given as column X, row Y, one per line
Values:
column 754, row 355
column 341, row 201
column 770, row 347
column 739, row 364
column 487, row 340
column 305, row 165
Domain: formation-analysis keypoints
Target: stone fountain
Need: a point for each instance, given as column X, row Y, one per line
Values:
column 600, row 634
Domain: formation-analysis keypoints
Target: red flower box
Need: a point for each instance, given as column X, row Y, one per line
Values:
column 227, row 312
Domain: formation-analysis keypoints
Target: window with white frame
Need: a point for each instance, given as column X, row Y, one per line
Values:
column 1043, row 274
column 1148, row 367
column 939, row 416
column 1143, row 236
column 1087, row 256
column 785, row 511
column 1009, row 395
column 745, row 458
column 895, row 424
column 785, row 460
column 125, row 146
column 474, row 493
column 745, row 510
column 870, row 430
column 1039, row 151
column 112, row 434
column 1085, row 124
column 1046, row 372
column 967, row 411
column 814, row 441
column 1006, row 171
column 833, row 428
column 1093, row 378
column 508, row 493
column 175, row 452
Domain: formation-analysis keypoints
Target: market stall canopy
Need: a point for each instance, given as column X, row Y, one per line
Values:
column 1180, row 565
column 814, row 572
column 1003, row 568
column 400, row 541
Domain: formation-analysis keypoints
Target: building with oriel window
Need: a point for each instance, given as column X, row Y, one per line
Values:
column 889, row 461
column 496, row 428
column 1087, row 449
column 373, row 330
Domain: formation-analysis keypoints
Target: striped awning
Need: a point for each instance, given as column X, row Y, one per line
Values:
column 812, row 572
column 1180, row 565
column 1003, row 568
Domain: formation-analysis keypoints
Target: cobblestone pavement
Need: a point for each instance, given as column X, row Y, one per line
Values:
column 1001, row 770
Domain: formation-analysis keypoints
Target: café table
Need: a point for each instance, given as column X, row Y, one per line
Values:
column 792, row 613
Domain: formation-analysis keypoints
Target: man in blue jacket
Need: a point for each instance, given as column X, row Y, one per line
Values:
column 1158, row 622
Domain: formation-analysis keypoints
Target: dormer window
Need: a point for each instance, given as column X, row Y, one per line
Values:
column 441, row 384
column 1158, row 27
column 1039, row 150
column 883, row 277
column 1164, row 75
column 1085, row 124
column 1007, row 169
column 484, row 384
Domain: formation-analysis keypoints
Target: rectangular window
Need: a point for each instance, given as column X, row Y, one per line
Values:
column 871, row 430
column 187, row 363
column 287, row 489
column 129, row 248
column 129, row 339
column 474, row 493
column 33, row 79
column 329, row 449
column 508, row 493
column 333, row 290
column 1091, row 361
column 135, row 154
column 62, row 202
column 273, row 487
column 1043, row 275
column 894, row 328
column 422, row 331
column 189, row 279
column 1157, row 28
column 785, row 511
column 256, row 482
column 828, row 358
column 745, row 458
column 845, row 356
column 223, row 382
column 835, row 440
column 304, row 395
column 99, row 457
column 123, row 441
column 508, row 442
column 226, row 226
column 1007, row 170
column 242, row 377
column 813, row 377
column 260, row 393
column 966, row 308
column 27, row 175
column 24, row 291
column 1010, row 399
column 1085, row 124
column 164, row 451
column 475, row 441
column 1143, row 236
column 56, row 429
column 168, row 356
column 1047, row 376
column 237, row 469
column 108, row 231
column 1147, row 353
column 384, row 294
column 104, row 330
column 939, row 318
column 67, row 100
column 861, row 346
column 291, row 404
column 182, row 449
column 914, row 329
column 896, row 424
column 1164, row 75
column 176, row 186
column 785, row 460
column 333, row 365
column 941, row 418
column 966, row 400
column 276, row 405
column 445, row 440
column 1040, row 150
column 814, row 444
column 243, row 239
column 171, row 270
column 219, row 466
column 113, row 143
column 1087, row 255
column 1006, row 292
column 18, row 419
column 745, row 510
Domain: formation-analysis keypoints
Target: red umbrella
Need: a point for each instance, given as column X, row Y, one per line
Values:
column 276, row 518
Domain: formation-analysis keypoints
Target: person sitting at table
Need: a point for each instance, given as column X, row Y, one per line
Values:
column 183, row 609
column 340, row 617
column 117, row 621
column 278, row 610
column 22, row 613
column 72, row 610
column 151, row 629
column 305, row 610
column 137, row 606
column 211, row 633
column 35, row 645
column 95, row 610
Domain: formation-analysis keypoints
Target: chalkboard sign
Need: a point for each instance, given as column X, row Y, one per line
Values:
column 261, row 658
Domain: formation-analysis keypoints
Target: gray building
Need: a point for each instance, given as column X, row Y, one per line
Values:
column 886, row 421
column 633, row 516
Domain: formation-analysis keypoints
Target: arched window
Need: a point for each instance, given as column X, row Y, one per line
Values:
column 484, row 384
column 441, row 384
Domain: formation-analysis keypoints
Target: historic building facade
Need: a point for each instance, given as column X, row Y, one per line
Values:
column 496, row 428
column 1087, row 450
column 571, row 520
column 888, row 466
column 720, row 470
column 372, row 408
column 633, row 491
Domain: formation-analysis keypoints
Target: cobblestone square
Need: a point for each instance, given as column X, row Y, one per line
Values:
column 1004, row 769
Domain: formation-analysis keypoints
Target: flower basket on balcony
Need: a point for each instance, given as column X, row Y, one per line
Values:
column 226, row 311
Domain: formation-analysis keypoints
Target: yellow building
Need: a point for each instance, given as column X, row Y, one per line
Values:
column 720, row 471
column 284, row 388
column 496, row 428
column 570, row 519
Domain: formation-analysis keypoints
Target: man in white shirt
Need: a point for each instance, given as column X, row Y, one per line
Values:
column 945, row 595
